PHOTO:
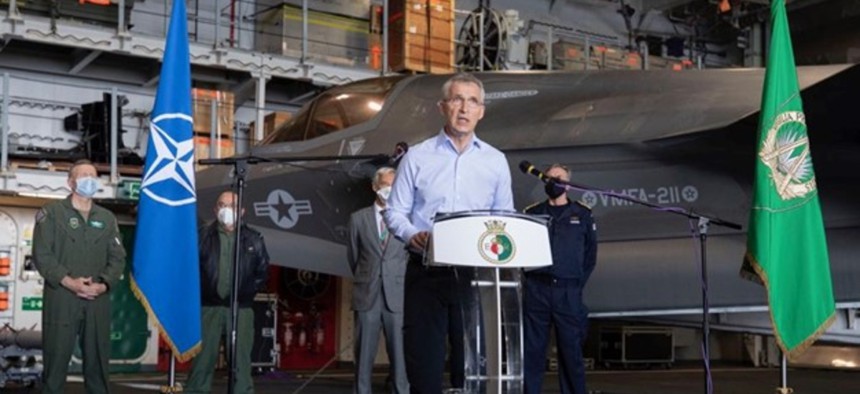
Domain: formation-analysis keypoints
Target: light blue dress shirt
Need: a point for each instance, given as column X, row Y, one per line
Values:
column 433, row 177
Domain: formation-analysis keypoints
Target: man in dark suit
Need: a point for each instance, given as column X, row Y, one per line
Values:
column 378, row 262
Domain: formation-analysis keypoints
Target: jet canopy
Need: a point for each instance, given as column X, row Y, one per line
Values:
column 336, row 109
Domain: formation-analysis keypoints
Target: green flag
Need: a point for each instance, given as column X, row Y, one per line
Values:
column 786, row 247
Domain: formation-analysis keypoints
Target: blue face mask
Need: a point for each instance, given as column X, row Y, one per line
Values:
column 87, row 186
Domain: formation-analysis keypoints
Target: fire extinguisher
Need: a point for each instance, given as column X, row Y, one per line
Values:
column 5, row 263
column 4, row 298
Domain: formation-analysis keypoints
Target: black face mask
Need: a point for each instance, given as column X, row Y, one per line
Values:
column 553, row 190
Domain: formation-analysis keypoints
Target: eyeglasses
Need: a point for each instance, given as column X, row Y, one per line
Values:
column 460, row 100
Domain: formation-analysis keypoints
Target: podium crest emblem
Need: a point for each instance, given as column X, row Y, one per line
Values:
column 495, row 245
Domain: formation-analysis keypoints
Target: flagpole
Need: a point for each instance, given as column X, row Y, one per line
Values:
column 783, row 378
column 171, row 376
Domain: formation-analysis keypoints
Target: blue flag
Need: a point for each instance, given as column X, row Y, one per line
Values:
column 165, row 274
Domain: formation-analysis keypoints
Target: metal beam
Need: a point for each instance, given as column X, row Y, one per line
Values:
column 302, row 98
column 83, row 61
column 115, row 124
column 4, row 127
column 4, row 42
column 243, row 91
column 663, row 5
column 260, row 102
column 153, row 80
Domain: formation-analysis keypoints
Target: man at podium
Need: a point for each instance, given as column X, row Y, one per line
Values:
column 450, row 172
column 553, row 294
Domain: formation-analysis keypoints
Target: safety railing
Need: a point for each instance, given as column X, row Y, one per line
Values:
column 567, row 48
column 297, row 29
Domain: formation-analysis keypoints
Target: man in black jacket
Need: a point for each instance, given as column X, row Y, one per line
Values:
column 216, row 280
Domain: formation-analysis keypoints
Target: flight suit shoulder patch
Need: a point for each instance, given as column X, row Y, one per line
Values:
column 41, row 215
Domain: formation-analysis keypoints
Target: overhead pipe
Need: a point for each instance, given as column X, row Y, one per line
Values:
column 232, row 23
column 4, row 126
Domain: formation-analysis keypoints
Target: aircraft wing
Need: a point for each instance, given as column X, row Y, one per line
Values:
column 535, row 110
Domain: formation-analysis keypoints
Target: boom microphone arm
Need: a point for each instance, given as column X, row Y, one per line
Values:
column 528, row 168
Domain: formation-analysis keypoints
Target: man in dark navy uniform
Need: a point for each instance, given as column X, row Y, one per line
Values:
column 553, row 294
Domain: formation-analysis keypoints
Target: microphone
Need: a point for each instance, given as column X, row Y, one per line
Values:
column 528, row 168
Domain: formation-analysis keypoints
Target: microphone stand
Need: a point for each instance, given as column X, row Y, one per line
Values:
column 702, row 236
column 240, row 169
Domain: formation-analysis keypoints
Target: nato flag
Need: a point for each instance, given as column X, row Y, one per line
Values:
column 165, row 274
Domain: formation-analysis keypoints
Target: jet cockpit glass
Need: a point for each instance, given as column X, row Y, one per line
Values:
column 336, row 109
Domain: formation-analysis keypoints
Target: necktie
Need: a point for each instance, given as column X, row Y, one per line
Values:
column 383, row 232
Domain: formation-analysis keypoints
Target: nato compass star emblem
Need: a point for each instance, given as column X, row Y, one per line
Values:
column 170, row 177
column 785, row 152
column 283, row 209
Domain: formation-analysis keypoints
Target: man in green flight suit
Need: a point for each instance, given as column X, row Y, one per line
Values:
column 77, row 249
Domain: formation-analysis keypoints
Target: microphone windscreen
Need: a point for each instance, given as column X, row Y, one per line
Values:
column 525, row 166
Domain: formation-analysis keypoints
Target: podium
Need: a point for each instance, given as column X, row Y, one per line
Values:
column 497, row 245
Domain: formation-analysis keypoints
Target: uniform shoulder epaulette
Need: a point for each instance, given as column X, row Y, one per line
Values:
column 532, row 206
column 583, row 204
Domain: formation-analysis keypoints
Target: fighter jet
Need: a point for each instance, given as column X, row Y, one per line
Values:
column 682, row 139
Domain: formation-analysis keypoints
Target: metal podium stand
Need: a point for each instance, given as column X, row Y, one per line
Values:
column 497, row 245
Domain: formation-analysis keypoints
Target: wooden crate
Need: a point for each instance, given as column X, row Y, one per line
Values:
column 334, row 35
column 202, row 111
column 273, row 121
column 421, row 36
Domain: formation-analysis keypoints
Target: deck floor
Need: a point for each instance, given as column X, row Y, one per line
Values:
column 732, row 380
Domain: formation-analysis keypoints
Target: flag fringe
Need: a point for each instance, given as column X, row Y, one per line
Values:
column 181, row 357
column 760, row 276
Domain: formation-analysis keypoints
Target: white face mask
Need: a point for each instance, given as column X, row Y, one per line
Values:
column 226, row 216
column 384, row 192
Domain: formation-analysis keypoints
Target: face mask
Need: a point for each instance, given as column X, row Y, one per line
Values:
column 384, row 192
column 553, row 190
column 86, row 186
column 226, row 216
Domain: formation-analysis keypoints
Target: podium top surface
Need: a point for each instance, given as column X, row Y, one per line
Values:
column 443, row 216
column 492, row 239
